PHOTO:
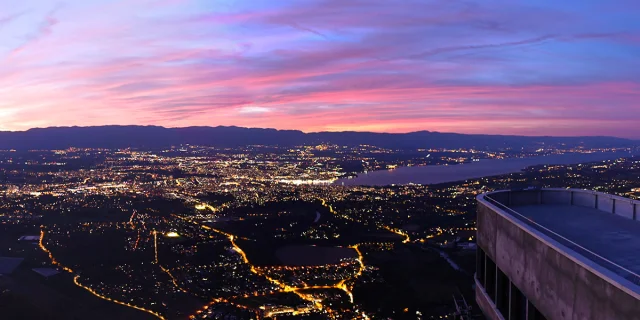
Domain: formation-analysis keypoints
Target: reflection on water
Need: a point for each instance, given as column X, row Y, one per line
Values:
column 484, row 168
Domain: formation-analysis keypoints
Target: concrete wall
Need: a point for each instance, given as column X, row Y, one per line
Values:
column 524, row 198
column 556, row 197
column 625, row 208
column 486, row 234
column 584, row 199
column 502, row 197
column 557, row 285
column 605, row 203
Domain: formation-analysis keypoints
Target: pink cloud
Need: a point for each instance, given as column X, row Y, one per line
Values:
column 324, row 65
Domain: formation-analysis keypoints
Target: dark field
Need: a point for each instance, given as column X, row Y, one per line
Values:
column 25, row 294
column 415, row 279
column 296, row 255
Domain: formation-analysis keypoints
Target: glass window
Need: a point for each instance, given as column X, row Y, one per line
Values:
column 490, row 278
column 534, row 313
column 503, row 285
column 518, row 310
column 480, row 266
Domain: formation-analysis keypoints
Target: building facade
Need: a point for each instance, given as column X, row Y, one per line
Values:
column 558, row 254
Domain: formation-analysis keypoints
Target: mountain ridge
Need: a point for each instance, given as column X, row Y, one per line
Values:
column 122, row 136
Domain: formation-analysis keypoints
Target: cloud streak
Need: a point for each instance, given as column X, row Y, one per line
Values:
column 475, row 66
column 9, row 18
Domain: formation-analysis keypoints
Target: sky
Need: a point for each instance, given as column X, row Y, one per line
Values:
column 542, row 67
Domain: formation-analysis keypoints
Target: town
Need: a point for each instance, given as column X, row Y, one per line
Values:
column 195, row 232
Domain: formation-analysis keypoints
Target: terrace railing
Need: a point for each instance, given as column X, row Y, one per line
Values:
column 600, row 260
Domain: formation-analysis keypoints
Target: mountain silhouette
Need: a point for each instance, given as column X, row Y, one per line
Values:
column 221, row 136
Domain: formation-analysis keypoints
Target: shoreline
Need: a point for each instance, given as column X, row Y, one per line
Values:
column 438, row 174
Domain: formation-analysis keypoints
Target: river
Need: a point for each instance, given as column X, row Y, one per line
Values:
column 484, row 168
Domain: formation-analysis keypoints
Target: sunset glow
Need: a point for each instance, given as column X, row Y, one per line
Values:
column 526, row 67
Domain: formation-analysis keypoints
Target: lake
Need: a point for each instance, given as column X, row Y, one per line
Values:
column 484, row 168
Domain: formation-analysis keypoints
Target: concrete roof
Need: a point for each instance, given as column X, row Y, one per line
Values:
column 610, row 236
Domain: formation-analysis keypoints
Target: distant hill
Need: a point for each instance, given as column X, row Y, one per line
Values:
column 159, row 137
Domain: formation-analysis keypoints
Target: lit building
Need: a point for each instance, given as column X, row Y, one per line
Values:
column 558, row 254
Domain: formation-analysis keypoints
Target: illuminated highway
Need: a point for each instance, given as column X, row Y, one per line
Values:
column 341, row 285
column 76, row 281
column 300, row 291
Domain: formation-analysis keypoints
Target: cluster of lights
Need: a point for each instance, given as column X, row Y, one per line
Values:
column 341, row 285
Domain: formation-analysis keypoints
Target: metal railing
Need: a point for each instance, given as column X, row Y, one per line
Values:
column 598, row 259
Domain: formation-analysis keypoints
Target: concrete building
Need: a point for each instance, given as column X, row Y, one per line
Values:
column 558, row 254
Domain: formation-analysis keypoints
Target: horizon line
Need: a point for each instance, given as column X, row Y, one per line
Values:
column 318, row 132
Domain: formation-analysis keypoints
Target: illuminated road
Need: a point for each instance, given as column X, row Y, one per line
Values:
column 398, row 232
column 165, row 270
column 299, row 291
column 135, row 246
column 283, row 286
column 155, row 246
column 76, row 281
column 342, row 285
column 133, row 215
